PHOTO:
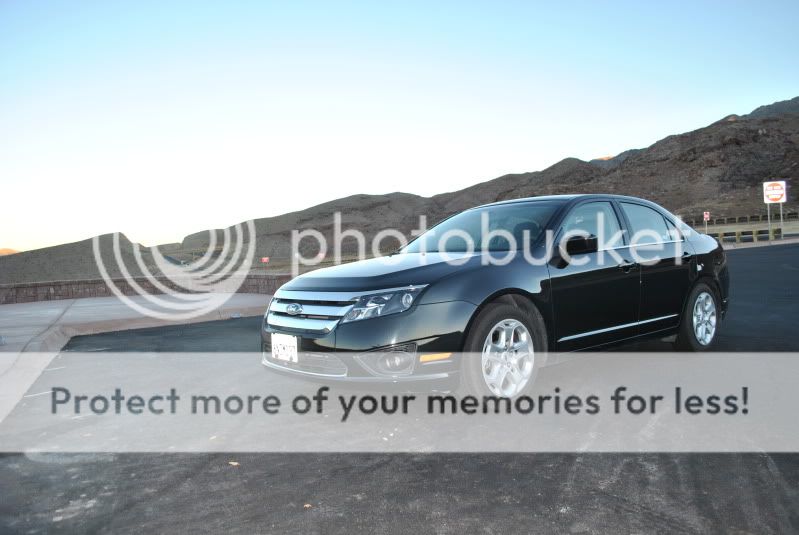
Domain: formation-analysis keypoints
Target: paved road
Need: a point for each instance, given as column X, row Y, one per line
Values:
column 347, row 493
column 764, row 301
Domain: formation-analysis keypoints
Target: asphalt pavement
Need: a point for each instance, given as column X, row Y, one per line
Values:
column 424, row 493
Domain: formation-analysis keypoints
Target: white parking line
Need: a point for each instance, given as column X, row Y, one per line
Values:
column 39, row 394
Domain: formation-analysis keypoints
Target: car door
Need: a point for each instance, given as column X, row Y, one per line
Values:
column 666, row 261
column 595, row 296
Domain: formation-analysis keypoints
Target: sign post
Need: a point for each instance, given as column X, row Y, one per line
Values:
column 782, row 224
column 768, row 211
column 774, row 193
column 706, row 217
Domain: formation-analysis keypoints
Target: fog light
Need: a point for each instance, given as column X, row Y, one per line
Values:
column 395, row 362
column 391, row 361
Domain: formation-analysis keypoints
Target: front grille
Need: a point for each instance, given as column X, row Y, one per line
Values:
column 316, row 316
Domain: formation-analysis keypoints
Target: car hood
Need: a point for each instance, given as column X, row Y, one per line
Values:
column 386, row 272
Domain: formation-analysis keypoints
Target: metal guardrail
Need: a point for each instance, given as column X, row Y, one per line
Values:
column 755, row 218
column 747, row 236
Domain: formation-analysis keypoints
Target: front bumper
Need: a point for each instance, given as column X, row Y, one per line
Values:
column 348, row 352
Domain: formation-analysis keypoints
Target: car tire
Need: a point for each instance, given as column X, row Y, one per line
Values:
column 701, row 319
column 490, row 371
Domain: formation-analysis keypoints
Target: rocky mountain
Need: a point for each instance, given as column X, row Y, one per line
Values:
column 70, row 261
column 719, row 168
column 778, row 109
column 612, row 162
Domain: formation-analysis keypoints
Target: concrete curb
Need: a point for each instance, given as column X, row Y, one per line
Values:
column 22, row 368
column 749, row 245
column 58, row 334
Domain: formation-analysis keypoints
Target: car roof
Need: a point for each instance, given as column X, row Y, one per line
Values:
column 565, row 198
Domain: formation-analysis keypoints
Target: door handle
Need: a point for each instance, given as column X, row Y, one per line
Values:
column 628, row 266
column 686, row 255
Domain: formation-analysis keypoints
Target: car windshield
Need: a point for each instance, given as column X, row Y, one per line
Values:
column 492, row 228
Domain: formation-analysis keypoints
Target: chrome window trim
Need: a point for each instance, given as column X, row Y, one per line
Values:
column 638, row 245
column 615, row 328
column 656, row 243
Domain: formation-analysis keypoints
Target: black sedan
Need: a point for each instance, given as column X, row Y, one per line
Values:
column 484, row 295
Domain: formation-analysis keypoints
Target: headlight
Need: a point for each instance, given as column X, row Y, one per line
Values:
column 383, row 303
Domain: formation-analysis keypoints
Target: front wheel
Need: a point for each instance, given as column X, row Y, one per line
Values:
column 700, row 320
column 503, row 351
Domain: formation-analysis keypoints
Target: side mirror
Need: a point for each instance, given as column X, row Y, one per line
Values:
column 581, row 245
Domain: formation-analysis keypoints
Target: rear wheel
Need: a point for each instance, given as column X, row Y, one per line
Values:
column 700, row 320
column 503, row 350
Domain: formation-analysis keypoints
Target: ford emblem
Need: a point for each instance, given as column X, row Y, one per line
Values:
column 293, row 309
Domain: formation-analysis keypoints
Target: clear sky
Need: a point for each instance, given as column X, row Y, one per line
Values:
column 164, row 118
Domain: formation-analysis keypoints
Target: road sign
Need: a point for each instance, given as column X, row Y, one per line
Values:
column 707, row 216
column 774, row 192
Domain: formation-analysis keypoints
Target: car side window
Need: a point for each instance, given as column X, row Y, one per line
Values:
column 674, row 233
column 648, row 225
column 598, row 219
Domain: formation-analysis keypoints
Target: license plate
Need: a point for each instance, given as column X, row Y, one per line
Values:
column 284, row 347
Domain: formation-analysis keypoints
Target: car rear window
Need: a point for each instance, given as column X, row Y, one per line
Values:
column 648, row 225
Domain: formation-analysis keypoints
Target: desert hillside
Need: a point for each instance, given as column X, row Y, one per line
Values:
column 70, row 261
column 719, row 168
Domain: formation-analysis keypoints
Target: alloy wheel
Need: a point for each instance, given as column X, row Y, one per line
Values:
column 704, row 318
column 508, row 358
